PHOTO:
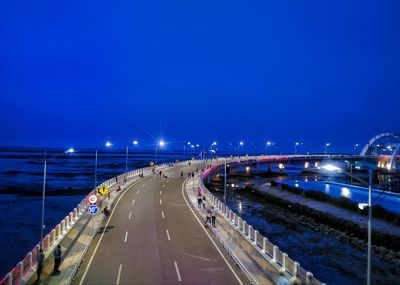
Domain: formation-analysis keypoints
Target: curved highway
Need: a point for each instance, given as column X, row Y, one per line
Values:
column 154, row 237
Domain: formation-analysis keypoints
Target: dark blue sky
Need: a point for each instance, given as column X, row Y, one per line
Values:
column 81, row 72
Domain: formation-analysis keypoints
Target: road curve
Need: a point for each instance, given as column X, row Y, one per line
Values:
column 152, row 237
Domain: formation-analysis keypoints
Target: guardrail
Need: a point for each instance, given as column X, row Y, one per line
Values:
column 267, row 249
column 28, row 265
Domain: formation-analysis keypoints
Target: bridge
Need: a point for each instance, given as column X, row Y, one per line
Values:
column 156, row 234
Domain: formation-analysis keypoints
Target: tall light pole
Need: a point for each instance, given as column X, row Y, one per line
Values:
column 296, row 144
column 326, row 146
column 225, row 184
column 161, row 143
column 135, row 142
column 241, row 143
column 369, row 184
column 42, row 226
column 266, row 146
column 107, row 144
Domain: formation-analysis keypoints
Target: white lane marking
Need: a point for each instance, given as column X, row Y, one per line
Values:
column 162, row 214
column 137, row 192
column 119, row 274
column 102, row 234
column 169, row 238
column 133, row 201
column 144, row 185
column 167, row 180
column 126, row 236
column 130, row 215
column 160, row 202
column 160, row 192
column 177, row 271
column 163, row 185
column 201, row 225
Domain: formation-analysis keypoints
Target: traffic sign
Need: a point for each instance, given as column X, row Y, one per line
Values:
column 103, row 190
column 151, row 163
column 93, row 209
column 92, row 199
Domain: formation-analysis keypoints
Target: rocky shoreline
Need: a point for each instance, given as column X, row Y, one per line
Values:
column 385, row 246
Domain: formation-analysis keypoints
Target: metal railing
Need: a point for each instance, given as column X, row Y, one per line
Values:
column 267, row 249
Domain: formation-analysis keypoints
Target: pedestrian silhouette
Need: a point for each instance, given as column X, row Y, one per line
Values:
column 57, row 259
column 40, row 261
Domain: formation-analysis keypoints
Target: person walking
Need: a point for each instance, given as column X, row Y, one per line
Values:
column 213, row 216
column 199, row 201
column 40, row 261
column 181, row 174
column 208, row 218
column 204, row 202
column 57, row 259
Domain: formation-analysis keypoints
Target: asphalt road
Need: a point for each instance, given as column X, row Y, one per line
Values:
column 152, row 237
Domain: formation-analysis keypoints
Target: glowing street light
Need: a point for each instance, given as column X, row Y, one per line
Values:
column 108, row 144
column 42, row 227
column 135, row 142
column 161, row 143
column 296, row 144
column 326, row 146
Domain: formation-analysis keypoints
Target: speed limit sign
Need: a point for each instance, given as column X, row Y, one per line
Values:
column 92, row 199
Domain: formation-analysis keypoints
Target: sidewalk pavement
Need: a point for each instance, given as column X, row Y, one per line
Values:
column 257, row 267
column 76, row 243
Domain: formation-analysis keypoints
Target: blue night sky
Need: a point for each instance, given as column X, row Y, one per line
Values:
column 76, row 73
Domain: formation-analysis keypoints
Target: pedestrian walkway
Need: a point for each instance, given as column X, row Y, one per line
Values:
column 257, row 269
column 76, row 243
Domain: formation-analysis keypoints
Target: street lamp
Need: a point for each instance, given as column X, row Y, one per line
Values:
column 241, row 143
column 135, row 142
column 330, row 167
column 266, row 146
column 161, row 143
column 70, row 150
column 326, row 146
column 107, row 144
column 296, row 144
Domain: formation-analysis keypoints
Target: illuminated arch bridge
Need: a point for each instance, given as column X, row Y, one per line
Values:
column 394, row 147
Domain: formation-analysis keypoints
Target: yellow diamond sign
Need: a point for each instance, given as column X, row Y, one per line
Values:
column 151, row 163
column 103, row 190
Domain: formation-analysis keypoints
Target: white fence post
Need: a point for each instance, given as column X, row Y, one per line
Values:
column 295, row 269
column 309, row 278
column 274, row 250
column 244, row 227
column 264, row 249
column 284, row 257
column 238, row 222
column 21, row 270
column 9, row 278
column 255, row 237
column 30, row 259
column 249, row 234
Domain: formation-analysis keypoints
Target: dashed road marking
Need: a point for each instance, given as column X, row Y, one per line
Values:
column 133, row 201
column 130, row 215
column 163, row 185
column 119, row 274
column 160, row 202
column 177, row 271
column 169, row 238
column 160, row 192
column 162, row 214
column 126, row 237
